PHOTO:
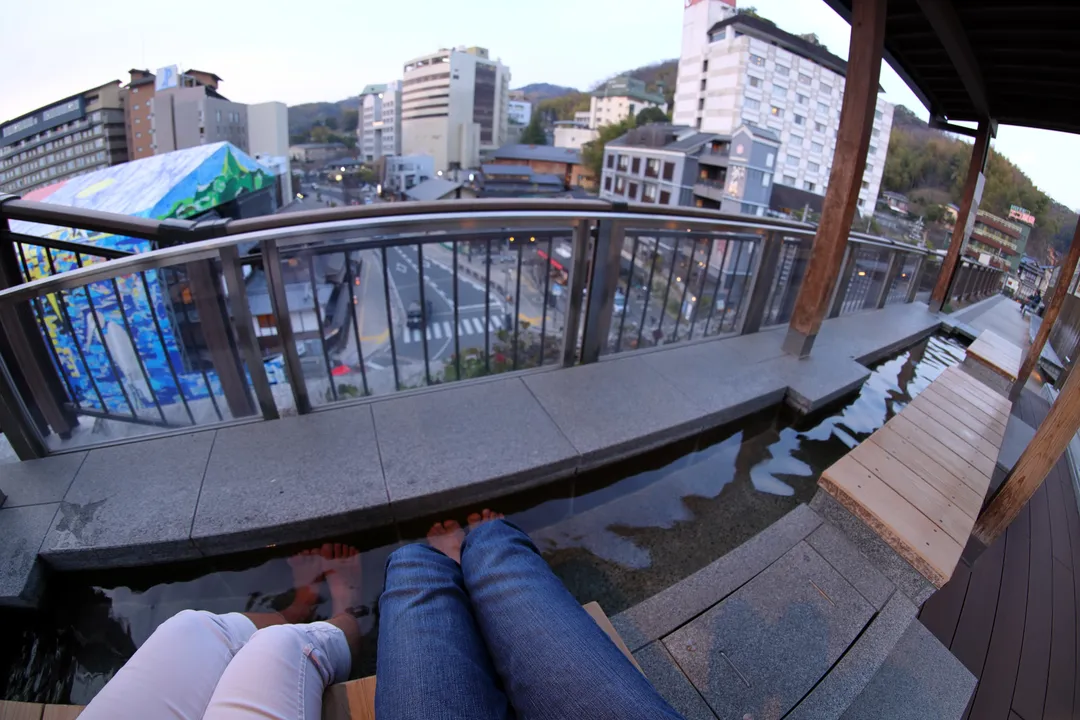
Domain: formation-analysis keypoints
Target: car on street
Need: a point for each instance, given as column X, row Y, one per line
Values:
column 415, row 318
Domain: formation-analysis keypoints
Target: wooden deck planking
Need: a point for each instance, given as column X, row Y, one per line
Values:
column 933, row 472
column 977, row 416
column 976, row 620
column 1059, row 523
column 938, row 420
column 975, row 477
column 1061, row 679
column 997, row 353
column 1029, row 697
column 961, row 382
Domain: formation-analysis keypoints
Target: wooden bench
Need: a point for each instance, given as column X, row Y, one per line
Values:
column 994, row 361
column 919, row 481
column 352, row 700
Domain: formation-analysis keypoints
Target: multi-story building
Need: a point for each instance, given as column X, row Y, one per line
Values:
column 317, row 152
column 76, row 135
column 519, row 112
column 172, row 110
column 453, row 106
column 677, row 165
column 620, row 98
column 737, row 69
column 572, row 134
column 402, row 172
column 564, row 163
column 996, row 241
column 378, row 132
column 268, row 142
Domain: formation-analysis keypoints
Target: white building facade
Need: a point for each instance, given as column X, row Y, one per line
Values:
column 378, row 131
column 519, row 112
column 620, row 98
column 735, row 70
column 454, row 104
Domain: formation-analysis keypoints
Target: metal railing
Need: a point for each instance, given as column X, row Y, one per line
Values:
column 115, row 327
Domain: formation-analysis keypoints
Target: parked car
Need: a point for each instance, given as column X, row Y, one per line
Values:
column 415, row 318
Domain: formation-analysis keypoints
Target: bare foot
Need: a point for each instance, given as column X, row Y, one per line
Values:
column 477, row 519
column 307, row 571
column 343, row 576
column 446, row 537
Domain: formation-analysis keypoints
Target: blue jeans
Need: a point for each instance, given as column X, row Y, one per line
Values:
column 497, row 637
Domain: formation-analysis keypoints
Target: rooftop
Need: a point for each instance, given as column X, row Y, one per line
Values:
column 626, row 86
column 757, row 27
column 432, row 189
column 541, row 153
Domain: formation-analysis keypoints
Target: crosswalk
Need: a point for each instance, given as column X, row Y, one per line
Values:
column 445, row 329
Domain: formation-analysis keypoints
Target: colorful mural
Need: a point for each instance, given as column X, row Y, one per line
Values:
column 117, row 343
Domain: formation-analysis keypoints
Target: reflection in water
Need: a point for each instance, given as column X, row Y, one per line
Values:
column 617, row 535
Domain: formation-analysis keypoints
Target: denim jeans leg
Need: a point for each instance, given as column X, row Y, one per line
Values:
column 432, row 662
column 554, row 660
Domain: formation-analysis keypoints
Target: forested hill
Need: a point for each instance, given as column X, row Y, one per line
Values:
column 929, row 166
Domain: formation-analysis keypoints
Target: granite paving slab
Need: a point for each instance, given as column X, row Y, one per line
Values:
column 669, row 681
column 664, row 612
column 39, row 481
column 919, row 680
column 615, row 409
column 467, row 444
column 291, row 480
column 1017, row 436
column 23, row 529
column 856, row 568
column 760, row 651
column 130, row 505
column 817, row 380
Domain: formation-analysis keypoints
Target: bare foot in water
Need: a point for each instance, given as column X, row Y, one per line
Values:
column 446, row 537
column 307, row 571
column 341, row 564
column 477, row 519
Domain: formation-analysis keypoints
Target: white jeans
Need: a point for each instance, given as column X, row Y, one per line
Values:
column 201, row 665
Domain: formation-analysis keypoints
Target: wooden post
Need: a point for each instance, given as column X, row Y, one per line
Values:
column 969, row 205
column 1068, row 268
column 1031, row 469
column 849, row 162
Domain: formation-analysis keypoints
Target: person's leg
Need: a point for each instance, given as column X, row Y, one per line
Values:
column 554, row 660
column 173, row 675
column 283, row 670
column 432, row 663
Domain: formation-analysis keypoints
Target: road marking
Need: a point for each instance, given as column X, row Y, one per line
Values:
column 477, row 306
column 401, row 269
column 435, row 329
column 447, row 329
column 496, row 323
column 479, row 326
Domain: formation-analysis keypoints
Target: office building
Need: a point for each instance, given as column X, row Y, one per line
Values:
column 268, row 142
column 572, row 134
column 620, row 98
column 677, row 165
column 73, row 136
column 378, row 132
column 402, row 172
column 454, row 106
column 739, row 69
column 997, row 241
column 519, row 112
column 172, row 110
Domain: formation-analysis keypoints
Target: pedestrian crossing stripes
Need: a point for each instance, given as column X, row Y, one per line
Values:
column 444, row 329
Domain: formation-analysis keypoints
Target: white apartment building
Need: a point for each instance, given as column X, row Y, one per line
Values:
column 569, row 134
column 378, row 132
column 454, row 104
column 620, row 98
column 519, row 112
column 738, row 69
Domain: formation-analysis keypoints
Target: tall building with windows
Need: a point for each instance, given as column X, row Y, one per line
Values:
column 73, row 136
column 739, row 69
column 620, row 98
column 378, row 132
column 453, row 106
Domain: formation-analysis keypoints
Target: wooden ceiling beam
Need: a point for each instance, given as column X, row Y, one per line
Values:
column 946, row 23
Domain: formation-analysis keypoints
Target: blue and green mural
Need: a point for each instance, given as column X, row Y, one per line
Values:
column 118, row 343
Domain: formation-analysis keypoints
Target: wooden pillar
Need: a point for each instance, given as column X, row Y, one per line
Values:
column 1031, row 469
column 1061, row 289
column 849, row 162
column 969, row 206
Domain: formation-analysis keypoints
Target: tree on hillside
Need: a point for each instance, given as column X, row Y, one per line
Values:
column 565, row 106
column 332, row 123
column 533, row 134
column 349, row 120
column 651, row 115
column 592, row 153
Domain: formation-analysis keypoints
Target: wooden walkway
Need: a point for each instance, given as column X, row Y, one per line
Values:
column 1012, row 619
column 997, row 353
column 919, row 481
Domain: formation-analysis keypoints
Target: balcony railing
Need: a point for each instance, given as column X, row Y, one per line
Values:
column 145, row 327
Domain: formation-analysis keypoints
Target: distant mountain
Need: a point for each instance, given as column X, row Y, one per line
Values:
column 303, row 117
column 536, row 92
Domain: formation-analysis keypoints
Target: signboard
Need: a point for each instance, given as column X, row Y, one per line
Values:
column 41, row 120
column 1018, row 213
column 166, row 77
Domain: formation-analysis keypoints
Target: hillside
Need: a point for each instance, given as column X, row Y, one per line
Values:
column 929, row 166
column 537, row 92
column 302, row 118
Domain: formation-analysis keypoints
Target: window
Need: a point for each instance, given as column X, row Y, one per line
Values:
column 649, row 193
column 779, row 92
column 826, row 89
column 751, row 104
column 624, row 161
column 632, row 194
column 703, row 84
column 865, row 185
column 823, row 108
column 812, row 167
column 701, row 104
column 807, row 185
column 876, row 132
column 665, row 197
column 757, row 60
column 816, row 147
column 697, row 123
column 801, row 99
column 783, row 70
column 135, row 90
column 136, row 107
column 819, row 127
column 218, row 116
column 652, row 168
column 877, row 114
column 792, row 160
column 869, row 168
column 804, row 79
column 770, row 159
column 861, row 202
column 872, row 150
column 607, row 183
column 705, row 66
column 138, row 135
column 764, row 179
column 137, row 121
column 796, row 140
column 800, row 120
column 789, row 180
column 669, row 171
column 620, row 185
column 611, row 160
column 635, row 165
column 776, row 112
column 754, row 82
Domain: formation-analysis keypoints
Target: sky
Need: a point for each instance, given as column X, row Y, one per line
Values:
column 297, row 52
